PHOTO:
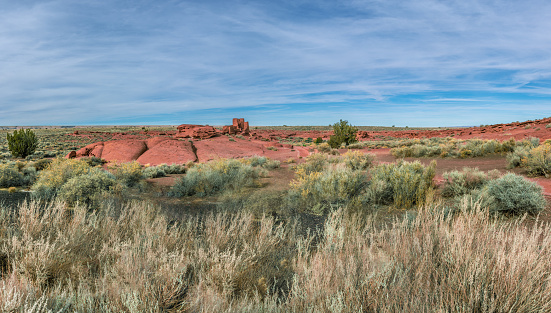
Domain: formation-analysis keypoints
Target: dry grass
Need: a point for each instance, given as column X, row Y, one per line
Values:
column 58, row 259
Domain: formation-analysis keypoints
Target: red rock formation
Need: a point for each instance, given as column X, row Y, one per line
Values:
column 153, row 151
column 196, row 131
column 123, row 150
column 169, row 152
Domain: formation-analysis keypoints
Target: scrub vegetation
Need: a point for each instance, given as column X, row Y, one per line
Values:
column 344, row 233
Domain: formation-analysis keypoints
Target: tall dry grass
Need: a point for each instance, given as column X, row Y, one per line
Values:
column 134, row 260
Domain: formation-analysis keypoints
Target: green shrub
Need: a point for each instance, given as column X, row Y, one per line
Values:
column 357, row 160
column 318, row 191
column 514, row 159
column 449, row 147
column 462, row 182
column 402, row 184
column 94, row 161
column 342, row 133
column 51, row 179
column 548, row 125
column 515, row 194
column 538, row 160
column 320, row 140
column 86, row 188
column 10, row 175
column 162, row 170
column 42, row 164
column 22, row 143
column 153, row 172
column 315, row 162
column 129, row 173
column 215, row 177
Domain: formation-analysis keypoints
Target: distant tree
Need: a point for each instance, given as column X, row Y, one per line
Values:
column 22, row 143
column 342, row 133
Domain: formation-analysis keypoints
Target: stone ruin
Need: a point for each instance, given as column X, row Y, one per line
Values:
column 239, row 126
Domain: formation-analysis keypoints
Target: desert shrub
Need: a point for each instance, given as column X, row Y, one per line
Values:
column 94, row 161
column 42, row 164
column 22, row 143
column 403, row 184
column 324, row 147
column 153, row 172
column 357, row 160
column 319, row 190
column 462, row 182
column 215, row 177
column 342, row 133
column 315, row 162
column 538, row 160
column 515, row 194
column 129, row 173
column 334, row 142
column 514, row 159
column 55, row 175
column 448, row 147
column 261, row 161
column 162, row 170
column 320, row 140
column 87, row 187
column 10, row 175
column 548, row 125
column 271, row 164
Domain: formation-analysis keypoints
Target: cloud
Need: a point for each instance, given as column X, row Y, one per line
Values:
column 67, row 62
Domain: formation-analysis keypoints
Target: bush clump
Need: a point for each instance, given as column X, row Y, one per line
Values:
column 403, row 184
column 10, row 175
column 357, row 160
column 452, row 148
column 342, row 133
column 515, row 194
column 129, row 173
column 57, row 173
column 22, row 143
column 162, row 170
column 319, row 190
column 261, row 161
column 215, row 177
column 87, row 187
column 536, row 159
column 458, row 183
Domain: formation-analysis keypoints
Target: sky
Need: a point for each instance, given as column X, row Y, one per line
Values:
column 288, row 62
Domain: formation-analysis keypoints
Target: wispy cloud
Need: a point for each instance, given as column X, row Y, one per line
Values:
column 67, row 62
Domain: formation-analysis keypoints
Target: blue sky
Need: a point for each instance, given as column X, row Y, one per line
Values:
column 296, row 62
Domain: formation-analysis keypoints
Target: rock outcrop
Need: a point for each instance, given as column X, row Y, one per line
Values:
column 196, row 131
column 153, row 151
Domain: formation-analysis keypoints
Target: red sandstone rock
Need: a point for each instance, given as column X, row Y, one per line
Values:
column 123, row 150
column 169, row 152
column 196, row 131
column 71, row 155
column 152, row 142
column 97, row 151
column 220, row 147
